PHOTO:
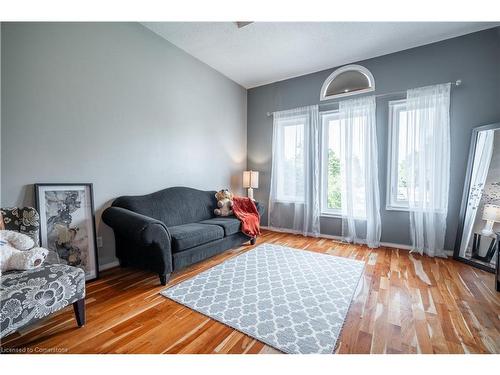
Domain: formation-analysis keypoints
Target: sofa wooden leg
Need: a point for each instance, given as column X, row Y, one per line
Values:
column 123, row 263
column 253, row 240
column 164, row 279
column 79, row 308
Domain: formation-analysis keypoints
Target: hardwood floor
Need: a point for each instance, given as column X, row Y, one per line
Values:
column 404, row 304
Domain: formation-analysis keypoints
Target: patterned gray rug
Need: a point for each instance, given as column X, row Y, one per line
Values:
column 293, row 300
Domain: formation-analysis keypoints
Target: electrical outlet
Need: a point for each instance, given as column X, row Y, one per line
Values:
column 99, row 241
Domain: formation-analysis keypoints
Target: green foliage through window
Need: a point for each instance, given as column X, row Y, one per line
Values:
column 334, row 182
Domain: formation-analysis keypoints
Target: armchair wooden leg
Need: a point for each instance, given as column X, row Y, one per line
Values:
column 79, row 308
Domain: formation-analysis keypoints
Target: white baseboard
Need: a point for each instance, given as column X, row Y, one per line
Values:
column 107, row 266
column 116, row 263
column 339, row 238
column 396, row 245
column 331, row 237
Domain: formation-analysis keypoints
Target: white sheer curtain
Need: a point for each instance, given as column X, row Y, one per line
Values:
column 359, row 171
column 428, row 120
column 294, row 193
column 480, row 167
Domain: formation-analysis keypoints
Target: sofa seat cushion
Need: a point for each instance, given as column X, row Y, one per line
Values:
column 27, row 296
column 187, row 236
column 231, row 225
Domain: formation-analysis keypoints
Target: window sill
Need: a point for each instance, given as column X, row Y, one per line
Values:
column 396, row 208
column 407, row 209
column 339, row 216
column 331, row 215
column 287, row 201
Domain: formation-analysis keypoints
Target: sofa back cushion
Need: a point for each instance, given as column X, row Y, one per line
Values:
column 173, row 206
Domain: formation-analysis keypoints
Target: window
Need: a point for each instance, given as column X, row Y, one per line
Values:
column 405, row 144
column 337, row 172
column 290, row 154
column 331, row 192
column 347, row 80
column 399, row 156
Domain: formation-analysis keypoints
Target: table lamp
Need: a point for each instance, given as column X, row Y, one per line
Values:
column 491, row 213
column 250, row 181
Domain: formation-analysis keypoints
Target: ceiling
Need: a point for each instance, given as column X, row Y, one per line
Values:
column 266, row 52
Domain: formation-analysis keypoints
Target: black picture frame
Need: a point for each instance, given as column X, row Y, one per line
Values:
column 465, row 197
column 86, row 185
column 497, row 276
column 497, row 279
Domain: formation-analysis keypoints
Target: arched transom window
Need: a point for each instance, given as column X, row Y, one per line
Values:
column 347, row 80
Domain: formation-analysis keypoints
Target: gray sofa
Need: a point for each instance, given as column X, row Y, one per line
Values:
column 171, row 229
column 28, row 296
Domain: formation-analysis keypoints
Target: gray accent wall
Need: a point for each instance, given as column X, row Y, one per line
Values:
column 474, row 58
column 118, row 106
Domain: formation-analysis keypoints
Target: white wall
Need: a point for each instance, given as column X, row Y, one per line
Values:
column 116, row 105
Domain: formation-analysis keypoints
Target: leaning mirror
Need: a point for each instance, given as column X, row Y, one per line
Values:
column 479, row 229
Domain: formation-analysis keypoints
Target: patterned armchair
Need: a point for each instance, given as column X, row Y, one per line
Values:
column 28, row 296
column 24, row 220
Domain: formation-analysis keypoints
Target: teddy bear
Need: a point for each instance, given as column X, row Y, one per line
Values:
column 17, row 252
column 224, row 203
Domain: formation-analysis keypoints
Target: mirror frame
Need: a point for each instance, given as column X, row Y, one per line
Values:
column 465, row 196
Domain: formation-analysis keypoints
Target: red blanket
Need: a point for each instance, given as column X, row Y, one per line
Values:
column 245, row 210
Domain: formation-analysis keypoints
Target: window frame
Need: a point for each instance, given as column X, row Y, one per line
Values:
column 352, row 67
column 392, row 203
column 282, row 123
column 325, row 211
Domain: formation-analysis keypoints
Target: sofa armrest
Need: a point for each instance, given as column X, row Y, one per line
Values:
column 140, row 229
column 141, row 241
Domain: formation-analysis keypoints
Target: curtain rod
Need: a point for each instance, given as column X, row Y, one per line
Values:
column 457, row 83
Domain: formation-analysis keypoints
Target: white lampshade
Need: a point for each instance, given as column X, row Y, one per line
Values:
column 251, row 179
column 491, row 212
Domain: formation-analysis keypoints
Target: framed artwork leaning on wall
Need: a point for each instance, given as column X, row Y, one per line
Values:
column 67, row 224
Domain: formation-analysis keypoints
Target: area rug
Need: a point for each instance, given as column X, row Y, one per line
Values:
column 293, row 300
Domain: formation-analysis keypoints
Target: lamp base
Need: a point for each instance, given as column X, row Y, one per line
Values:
column 250, row 193
column 488, row 229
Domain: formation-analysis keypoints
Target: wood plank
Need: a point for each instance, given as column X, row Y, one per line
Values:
column 405, row 303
